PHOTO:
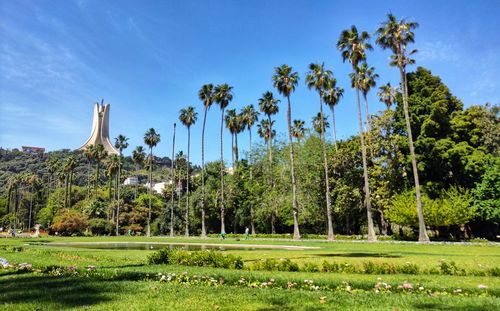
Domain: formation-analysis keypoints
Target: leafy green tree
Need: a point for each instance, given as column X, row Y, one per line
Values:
column 353, row 46
column 188, row 117
column 206, row 95
column 396, row 35
column 487, row 193
column 151, row 139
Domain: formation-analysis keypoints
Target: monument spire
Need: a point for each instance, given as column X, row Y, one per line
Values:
column 100, row 129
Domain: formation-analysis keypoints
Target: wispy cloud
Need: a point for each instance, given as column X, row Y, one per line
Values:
column 437, row 51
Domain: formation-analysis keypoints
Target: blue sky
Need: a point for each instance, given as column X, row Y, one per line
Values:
column 149, row 58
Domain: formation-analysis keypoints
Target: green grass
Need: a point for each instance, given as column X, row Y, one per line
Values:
column 125, row 281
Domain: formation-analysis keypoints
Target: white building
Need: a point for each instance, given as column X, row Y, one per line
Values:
column 158, row 187
column 133, row 180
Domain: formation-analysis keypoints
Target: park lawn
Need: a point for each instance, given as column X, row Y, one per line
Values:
column 127, row 282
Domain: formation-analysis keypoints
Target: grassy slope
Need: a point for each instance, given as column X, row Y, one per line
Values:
column 28, row 291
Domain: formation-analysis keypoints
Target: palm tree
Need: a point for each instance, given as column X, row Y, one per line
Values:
column 69, row 167
column 387, row 95
column 353, row 46
column 223, row 95
column 331, row 97
column 98, row 153
column 32, row 181
column 151, row 139
column 366, row 80
column 112, row 165
column 319, row 79
column 172, row 171
column 250, row 116
column 121, row 144
column 231, row 119
column 138, row 156
column 52, row 166
column 298, row 130
column 285, row 80
column 320, row 125
column 265, row 130
column 206, row 95
column 13, row 195
column 188, row 118
column 396, row 35
column 88, row 155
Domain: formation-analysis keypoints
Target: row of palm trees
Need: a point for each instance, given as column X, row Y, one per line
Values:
column 353, row 45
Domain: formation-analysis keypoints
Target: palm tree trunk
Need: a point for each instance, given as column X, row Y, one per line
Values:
column 232, row 149
column 371, row 231
column 203, row 229
column 222, row 226
column 70, row 187
column 331, row 237
column 422, row 232
column 252, row 220
column 271, row 173
column 66, row 191
column 88, row 181
column 150, row 188
column 296, row 232
column 368, row 127
column 334, row 128
column 172, row 170
column 187, row 184
column 236, row 155
column 118, row 195
column 31, row 207
column 96, row 183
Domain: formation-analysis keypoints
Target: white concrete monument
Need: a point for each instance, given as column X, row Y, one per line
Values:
column 100, row 129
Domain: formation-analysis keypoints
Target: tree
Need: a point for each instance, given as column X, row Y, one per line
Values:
column 366, row 80
column 232, row 124
column 151, row 139
column 112, row 165
column 69, row 167
column 98, row 153
column 188, row 118
column 172, row 172
column 396, row 35
column 387, row 94
column 206, row 95
column 353, row 46
column 88, row 155
column 121, row 144
column 319, row 125
column 138, row 157
column 223, row 95
column 331, row 97
column 13, row 196
column 285, row 80
column 319, row 78
column 298, row 130
column 249, row 117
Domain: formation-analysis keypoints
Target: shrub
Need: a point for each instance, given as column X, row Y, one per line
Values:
column 205, row 258
column 159, row 257
column 70, row 222
column 450, row 268
column 275, row 265
column 100, row 226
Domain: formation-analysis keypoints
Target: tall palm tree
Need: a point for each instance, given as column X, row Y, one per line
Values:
column 299, row 129
column 353, row 46
column 285, row 80
column 172, row 171
column 138, row 156
column 396, row 35
column 188, row 118
column 366, row 80
column 88, row 155
column 98, row 153
column 206, row 95
column 69, row 167
column 231, row 119
column 112, row 165
column 120, row 144
column 250, row 116
column 319, row 78
column 265, row 130
column 13, row 184
column 151, row 139
column 32, row 182
column 223, row 95
column 331, row 97
column 53, row 164
column 269, row 106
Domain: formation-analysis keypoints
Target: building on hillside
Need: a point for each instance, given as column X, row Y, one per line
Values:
column 158, row 187
column 33, row 150
column 132, row 180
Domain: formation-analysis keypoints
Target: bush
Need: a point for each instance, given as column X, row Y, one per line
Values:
column 205, row 258
column 275, row 265
column 69, row 223
column 100, row 226
column 159, row 257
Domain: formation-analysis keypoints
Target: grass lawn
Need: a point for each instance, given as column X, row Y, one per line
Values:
column 123, row 280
